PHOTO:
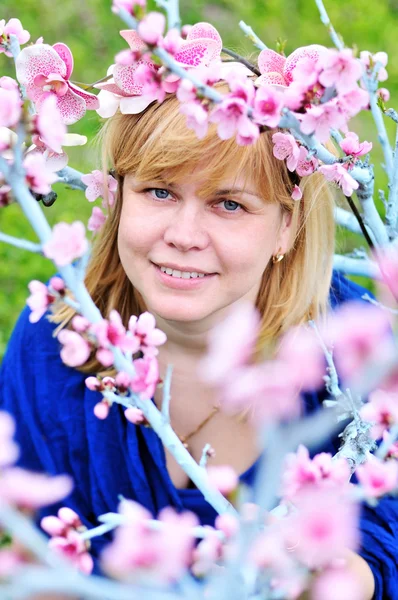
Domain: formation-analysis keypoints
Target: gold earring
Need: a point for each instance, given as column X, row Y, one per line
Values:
column 277, row 258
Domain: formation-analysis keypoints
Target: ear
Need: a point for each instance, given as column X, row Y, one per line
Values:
column 283, row 240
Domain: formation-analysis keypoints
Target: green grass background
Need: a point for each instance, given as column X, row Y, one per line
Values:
column 91, row 31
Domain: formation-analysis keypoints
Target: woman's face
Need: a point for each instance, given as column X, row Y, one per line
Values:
column 229, row 237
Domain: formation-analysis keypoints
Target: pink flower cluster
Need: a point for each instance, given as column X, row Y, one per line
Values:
column 41, row 296
column 303, row 473
column 378, row 477
column 13, row 27
column 10, row 102
column 65, row 531
column 138, row 552
column 242, row 385
column 21, row 488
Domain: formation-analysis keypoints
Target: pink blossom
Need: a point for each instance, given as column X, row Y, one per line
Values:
column 146, row 377
column 277, row 70
column 51, row 128
column 185, row 30
column 39, row 300
column 127, row 5
column 306, row 165
column 13, row 27
column 135, row 415
column 255, row 387
column 286, row 147
column 325, row 525
column 205, row 555
column 224, row 478
column 353, row 102
column 384, row 94
column 97, row 220
column 10, row 104
column 68, row 242
column 74, row 549
column 307, row 71
column 377, row 477
column 172, row 42
column 337, row 584
column 151, row 28
column 230, row 344
column 228, row 524
column 393, row 446
column 297, row 194
column 33, row 490
column 268, row 106
column 351, row 145
column 359, row 334
column 302, row 355
column 11, row 560
column 93, row 383
column 230, row 116
column 38, row 175
column 197, row 117
column 96, row 189
column 138, row 550
column 122, row 381
column 340, row 69
column 76, row 350
column 320, row 119
column 379, row 57
column 110, row 333
column 388, row 258
column 80, row 324
column 146, row 333
column 338, row 174
column 9, row 450
column 46, row 70
column 382, row 410
column 101, row 410
column 248, row 132
column 302, row 472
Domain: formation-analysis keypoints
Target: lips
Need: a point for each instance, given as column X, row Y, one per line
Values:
column 186, row 269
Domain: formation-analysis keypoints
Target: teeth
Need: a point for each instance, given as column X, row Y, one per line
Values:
column 181, row 274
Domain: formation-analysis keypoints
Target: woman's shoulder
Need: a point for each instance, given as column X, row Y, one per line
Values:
column 343, row 290
column 28, row 336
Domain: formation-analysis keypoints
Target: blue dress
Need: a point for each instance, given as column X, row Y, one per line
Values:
column 58, row 433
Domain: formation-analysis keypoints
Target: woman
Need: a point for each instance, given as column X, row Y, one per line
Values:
column 198, row 227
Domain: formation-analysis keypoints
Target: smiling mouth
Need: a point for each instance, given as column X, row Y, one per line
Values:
column 180, row 273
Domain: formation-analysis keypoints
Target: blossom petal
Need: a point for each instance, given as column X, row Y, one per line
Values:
column 135, row 104
column 71, row 107
column 271, row 78
column 133, row 39
column 124, row 77
column 197, row 52
column 36, row 59
column 91, row 100
column 313, row 52
column 270, row 61
column 66, row 55
column 109, row 103
column 206, row 30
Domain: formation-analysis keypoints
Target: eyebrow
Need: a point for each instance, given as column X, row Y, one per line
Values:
column 228, row 191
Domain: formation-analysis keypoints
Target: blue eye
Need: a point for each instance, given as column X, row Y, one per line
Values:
column 231, row 205
column 160, row 193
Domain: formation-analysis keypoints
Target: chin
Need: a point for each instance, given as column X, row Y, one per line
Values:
column 181, row 314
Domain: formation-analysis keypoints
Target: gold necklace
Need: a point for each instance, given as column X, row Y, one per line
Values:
column 184, row 438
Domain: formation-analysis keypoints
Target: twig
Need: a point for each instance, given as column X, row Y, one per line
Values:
column 173, row 13
column 72, row 178
column 332, row 381
column 24, row 244
column 242, row 60
column 386, row 444
column 371, row 300
column 336, row 39
column 346, row 219
column 360, row 221
column 392, row 114
column 91, row 86
column 371, row 85
column 166, row 394
column 355, row 266
column 248, row 31
column 392, row 204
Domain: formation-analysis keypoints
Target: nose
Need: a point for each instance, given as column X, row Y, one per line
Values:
column 185, row 229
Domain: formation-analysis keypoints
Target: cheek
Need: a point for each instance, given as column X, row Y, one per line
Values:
column 249, row 252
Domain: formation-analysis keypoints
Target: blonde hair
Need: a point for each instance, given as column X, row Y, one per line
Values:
column 157, row 142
